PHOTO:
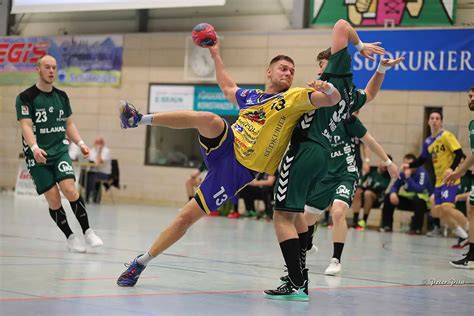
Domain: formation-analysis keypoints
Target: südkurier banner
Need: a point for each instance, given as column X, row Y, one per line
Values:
column 435, row 60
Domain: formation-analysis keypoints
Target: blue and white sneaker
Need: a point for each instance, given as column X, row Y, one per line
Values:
column 130, row 276
column 129, row 115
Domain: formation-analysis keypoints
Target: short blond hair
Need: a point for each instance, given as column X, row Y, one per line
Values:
column 38, row 63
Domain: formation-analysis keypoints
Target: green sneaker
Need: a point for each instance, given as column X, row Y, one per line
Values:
column 251, row 213
column 288, row 292
column 362, row 223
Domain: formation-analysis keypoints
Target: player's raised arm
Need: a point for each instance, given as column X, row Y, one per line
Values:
column 326, row 94
column 343, row 33
column 225, row 81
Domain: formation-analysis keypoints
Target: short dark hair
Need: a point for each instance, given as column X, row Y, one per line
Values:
column 409, row 156
column 437, row 111
column 281, row 57
column 324, row 55
column 471, row 89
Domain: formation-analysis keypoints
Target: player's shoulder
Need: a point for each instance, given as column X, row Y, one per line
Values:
column 299, row 90
column 428, row 140
column 448, row 135
column 60, row 92
column 29, row 94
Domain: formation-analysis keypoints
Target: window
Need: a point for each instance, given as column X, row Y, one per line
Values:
column 171, row 147
column 180, row 147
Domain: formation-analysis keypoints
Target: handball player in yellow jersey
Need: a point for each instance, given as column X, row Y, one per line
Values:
column 234, row 154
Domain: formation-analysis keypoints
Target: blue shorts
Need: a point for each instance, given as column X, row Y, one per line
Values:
column 225, row 176
column 445, row 194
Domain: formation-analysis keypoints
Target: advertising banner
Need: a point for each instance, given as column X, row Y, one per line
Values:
column 209, row 98
column 82, row 60
column 379, row 13
column 435, row 60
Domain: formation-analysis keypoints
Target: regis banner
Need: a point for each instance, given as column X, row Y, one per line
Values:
column 82, row 60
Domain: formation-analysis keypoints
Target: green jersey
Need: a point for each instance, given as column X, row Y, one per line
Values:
column 375, row 181
column 471, row 135
column 320, row 125
column 342, row 159
column 463, row 187
column 48, row 111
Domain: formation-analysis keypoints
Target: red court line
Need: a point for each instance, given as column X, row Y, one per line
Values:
column 216, row 292
column 108, row 278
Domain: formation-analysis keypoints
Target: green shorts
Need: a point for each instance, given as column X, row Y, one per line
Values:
column 326, row 191
column 45, row 176
column 471, row 195
column 302, row 165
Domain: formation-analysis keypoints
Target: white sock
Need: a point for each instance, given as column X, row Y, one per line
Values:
column 460, row 232
column 146, row 120
column 145, row 259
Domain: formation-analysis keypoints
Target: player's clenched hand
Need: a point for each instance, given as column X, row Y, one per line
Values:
column 40, row 155
column 404, row 166
column 451, row 178
column 372, row 49
column 214, row 49
column 319, row 85
column 394, row 198
column 85, row 150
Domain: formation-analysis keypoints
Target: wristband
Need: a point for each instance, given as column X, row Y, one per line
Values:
column 360, row 46
column 330, row 90
column 146, row 119
column 381, row 68
column 80, row 143
column 387, row 162
column 33, row 147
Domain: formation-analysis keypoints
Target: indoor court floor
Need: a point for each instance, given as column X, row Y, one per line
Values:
column 220, row 267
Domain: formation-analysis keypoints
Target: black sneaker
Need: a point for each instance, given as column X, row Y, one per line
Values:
column 306, row 281
column 286, row 278
column 289, row 292
column 464, row 263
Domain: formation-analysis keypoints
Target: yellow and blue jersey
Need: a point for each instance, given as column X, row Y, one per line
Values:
column 261, row 149
column 441, row 149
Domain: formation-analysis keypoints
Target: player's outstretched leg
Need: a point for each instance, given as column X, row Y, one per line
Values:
column 188, row 215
